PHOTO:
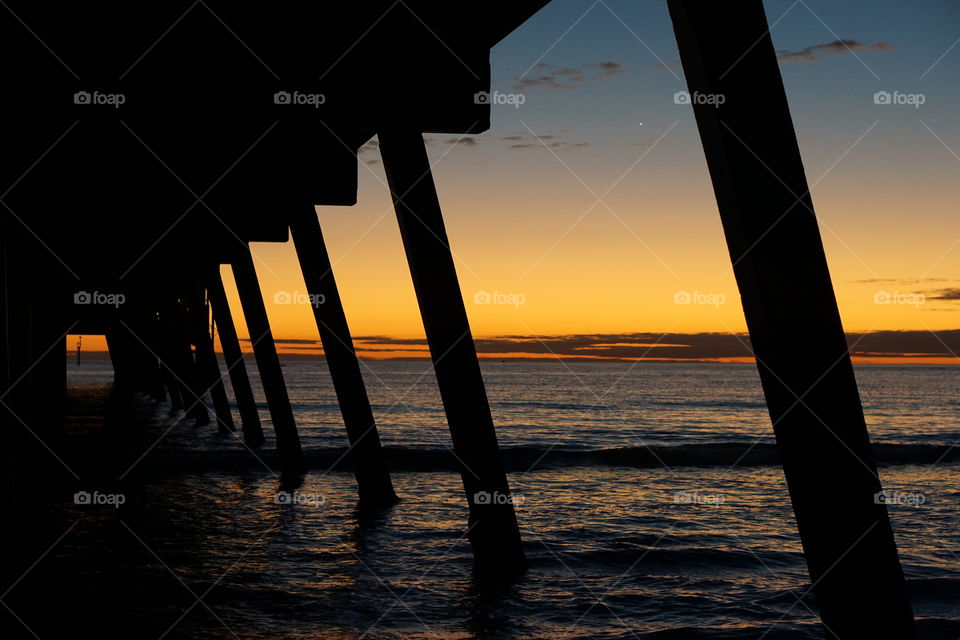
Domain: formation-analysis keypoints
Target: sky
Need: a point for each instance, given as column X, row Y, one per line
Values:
column 587, row 209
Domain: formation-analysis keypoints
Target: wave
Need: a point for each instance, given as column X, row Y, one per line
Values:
column 521, row 459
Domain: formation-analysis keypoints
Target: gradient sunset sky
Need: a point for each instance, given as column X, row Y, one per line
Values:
column 590, row 204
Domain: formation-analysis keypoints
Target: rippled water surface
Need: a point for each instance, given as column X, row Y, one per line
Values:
column 200, row 552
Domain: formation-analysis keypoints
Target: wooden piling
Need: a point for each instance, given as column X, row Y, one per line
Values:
column 207, row 363
column 494, row 532
column 791, row 311
column 168, row 363
column 119, row 357
column 182, row 362
column 366, row 454
column 153, row 372
column 233, row 360
column 268, row 363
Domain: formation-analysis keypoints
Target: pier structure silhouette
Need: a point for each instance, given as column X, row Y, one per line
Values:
column 138, row 161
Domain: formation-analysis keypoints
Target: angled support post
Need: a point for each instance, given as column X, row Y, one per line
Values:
column 207, row 359
column 268, row 363
column 366, row 454
column 133, row 342
column 118, row 349
column 792, row 315
column 150, row 376
column 233, row 360
column 180, row 360
column 168, row 363
column 494, row 532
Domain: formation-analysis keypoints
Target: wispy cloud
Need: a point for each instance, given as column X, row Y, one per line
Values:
column 813, row 53
column 370, row 152
column 554, row 146
column 818, row 52
column 548, row 76
column 945, row 294
column 905, row 281
column 523, row 141
column 680, row 346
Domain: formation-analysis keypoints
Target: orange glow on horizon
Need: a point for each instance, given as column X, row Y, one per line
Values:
column 94, row 347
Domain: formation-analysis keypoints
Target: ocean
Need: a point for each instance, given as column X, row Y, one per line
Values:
column 650, row 501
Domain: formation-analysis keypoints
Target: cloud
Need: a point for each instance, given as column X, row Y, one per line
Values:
column 945, row 294
column 649, row 142
column 813, row 53
column 465, row 141
column 548, row 76
column 294, row 341
column 817, row 52
column 559, row 147
column 369, row 153
column 609, row 346
column 686, row 346
column 898, row 280
column 926, row 287
column 384, row 340
column 899, row 343
column 657, row 346
column 523, row 141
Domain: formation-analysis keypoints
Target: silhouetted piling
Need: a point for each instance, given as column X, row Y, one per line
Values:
column 233, row 360
column 133, row 344
column 792, row 315
column 182, row 362
column 117, row 349
column 207, row 358
column 494, row 532
column 149, row 375
column 373, row 478
column 268, row 363
column 167, row 366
